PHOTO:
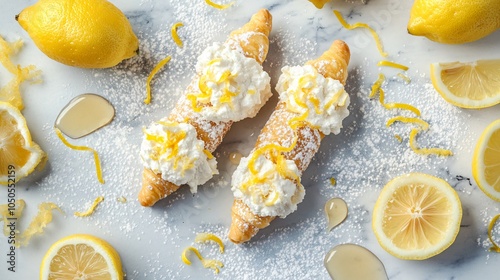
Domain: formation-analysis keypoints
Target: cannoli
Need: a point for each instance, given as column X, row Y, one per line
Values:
column 313, row 103
column 230, row 85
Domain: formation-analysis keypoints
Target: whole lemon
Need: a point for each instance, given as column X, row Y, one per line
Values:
column 454, row 21
column 82, row 33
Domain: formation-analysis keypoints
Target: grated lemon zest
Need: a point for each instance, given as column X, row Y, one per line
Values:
column 426, row 151
column 361, row 25
column 206, row 236
column 404, row 77
column 11, row 92
column 219, row 6
column 398, row 137
column 122, row 199
column 392, row 64
column 213, row 264
column 207, row 263
column 208, row 154
column 38, row 223
column 273, row 201
column 495, row 247
column 175, row 36
column 97, row 161
column 92, row 208
column 151, row 75
column 206, row 92
column 170, row 143
column 422, row 123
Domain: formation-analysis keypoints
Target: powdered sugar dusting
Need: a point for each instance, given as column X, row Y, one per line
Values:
column 362, row 158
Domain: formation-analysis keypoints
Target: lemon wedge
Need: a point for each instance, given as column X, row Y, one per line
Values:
column 486, row 161
column 468, row 84
column 416, row 216
column 19, row 155
column 81, row 256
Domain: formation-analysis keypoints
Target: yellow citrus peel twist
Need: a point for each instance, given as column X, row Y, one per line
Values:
column 150, row 78
column 86, row 149
column 495, row 246
column 92, row 208
column 207, row 263
column 361, row 25
column 219, row 6
column 175, row 36
column 392, row 64
column 426, row 151
column 204, row 237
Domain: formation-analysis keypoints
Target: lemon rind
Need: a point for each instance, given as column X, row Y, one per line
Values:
column 478, row 164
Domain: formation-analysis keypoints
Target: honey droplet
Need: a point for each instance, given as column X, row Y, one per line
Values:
column 235, row 158
column 85, row 114
column 354, row 262
column 336, row 212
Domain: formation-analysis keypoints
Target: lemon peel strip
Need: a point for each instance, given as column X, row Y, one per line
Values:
column 404, row 78
column 86, row 149
column 426, row 151
column 175, row 36
column 205, row 236
column 333, row 182
column 376, row 86
column 491, row 225
column 207, row 263
column 151, row 75
column 402, row 106
column 392, row 64
column 422, row 123
column 92, row 208
column 361, row 25
column 219, row 6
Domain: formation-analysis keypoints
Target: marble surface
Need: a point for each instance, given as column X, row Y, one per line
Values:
column 362, row 158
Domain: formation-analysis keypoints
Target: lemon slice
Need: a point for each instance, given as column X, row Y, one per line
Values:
column 416, row 216
column 18, row 154
column 486, row 161
column 81, row 256
column 470, row 84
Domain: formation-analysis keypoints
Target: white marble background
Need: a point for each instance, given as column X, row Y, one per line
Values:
column 362, row 158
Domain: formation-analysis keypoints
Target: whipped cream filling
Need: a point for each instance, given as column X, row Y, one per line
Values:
column 267, row 193
column 172, row 149
column 230, row 86
column 323, row 101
